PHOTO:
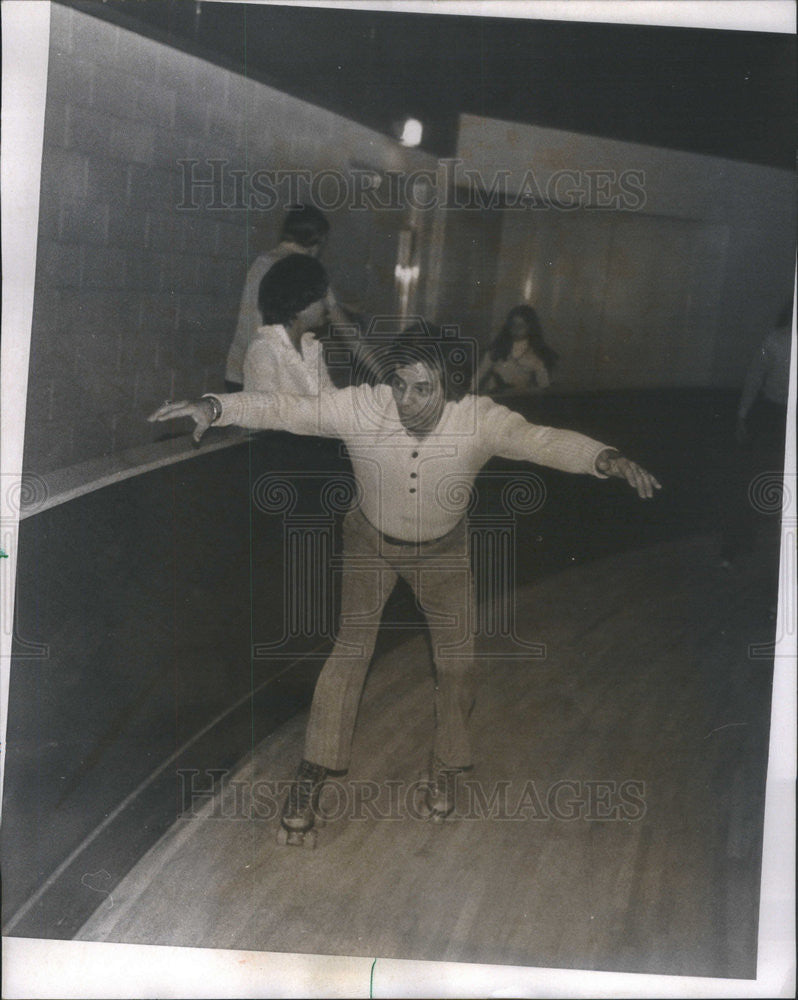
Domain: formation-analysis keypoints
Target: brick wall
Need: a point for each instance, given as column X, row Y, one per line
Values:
column 136, row 298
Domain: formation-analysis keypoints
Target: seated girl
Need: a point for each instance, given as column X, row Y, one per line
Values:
column 518, row 360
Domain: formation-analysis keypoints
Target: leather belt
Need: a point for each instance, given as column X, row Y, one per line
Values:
column 404, row 543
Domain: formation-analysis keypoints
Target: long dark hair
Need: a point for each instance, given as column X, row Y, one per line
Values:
column 501, row 346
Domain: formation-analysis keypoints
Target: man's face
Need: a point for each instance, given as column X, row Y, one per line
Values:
column 418, row 394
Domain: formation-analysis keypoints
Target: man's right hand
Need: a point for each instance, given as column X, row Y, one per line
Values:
column 201, row 412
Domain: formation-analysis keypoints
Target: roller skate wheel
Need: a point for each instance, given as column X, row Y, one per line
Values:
column 297, row 838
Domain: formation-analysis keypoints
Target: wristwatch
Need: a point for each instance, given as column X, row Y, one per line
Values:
column 216, row 404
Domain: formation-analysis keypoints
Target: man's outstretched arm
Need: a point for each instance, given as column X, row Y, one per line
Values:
column 331, row 414
column 508, row 434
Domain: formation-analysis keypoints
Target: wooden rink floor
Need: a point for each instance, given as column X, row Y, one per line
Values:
column 647, row 679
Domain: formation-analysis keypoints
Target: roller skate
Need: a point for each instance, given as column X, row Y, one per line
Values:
column 300, row 811
column 440, row 796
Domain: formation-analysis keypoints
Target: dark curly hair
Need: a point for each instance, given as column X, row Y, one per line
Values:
column 448, row 356
column 500, row 348
column 290, row 286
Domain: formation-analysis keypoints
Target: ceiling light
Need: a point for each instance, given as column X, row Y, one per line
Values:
column 412, row 130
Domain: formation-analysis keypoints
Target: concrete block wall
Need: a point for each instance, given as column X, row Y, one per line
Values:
column 136, row 298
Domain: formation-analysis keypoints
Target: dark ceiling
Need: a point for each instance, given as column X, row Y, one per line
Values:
column 722, row 93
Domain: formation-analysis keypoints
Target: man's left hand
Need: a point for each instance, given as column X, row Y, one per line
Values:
column 612, row 463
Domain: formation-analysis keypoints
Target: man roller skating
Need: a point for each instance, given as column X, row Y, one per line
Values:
column 416, row 442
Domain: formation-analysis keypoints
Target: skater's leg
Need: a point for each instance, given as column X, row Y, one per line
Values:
column 453, row 655
column 446, row 597
column 444, row 589
column 445, row 594
column 367, row 582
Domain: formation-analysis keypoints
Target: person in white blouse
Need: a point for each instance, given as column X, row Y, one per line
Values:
column 416, row 446
column 284, row 356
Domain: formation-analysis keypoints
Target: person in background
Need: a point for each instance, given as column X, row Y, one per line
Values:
column 283, row 354
column 519, row 358
column 304, row 231
column 762, row 411
column 760, row 432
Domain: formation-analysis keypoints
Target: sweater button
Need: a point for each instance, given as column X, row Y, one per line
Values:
column 414, row 475
column 412, row 489
column 414, row 455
